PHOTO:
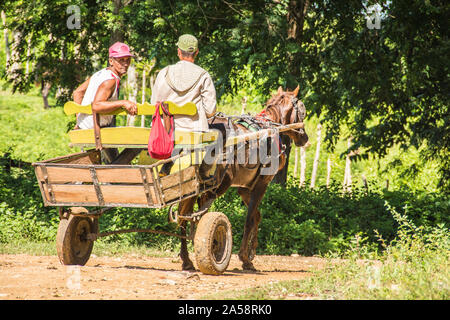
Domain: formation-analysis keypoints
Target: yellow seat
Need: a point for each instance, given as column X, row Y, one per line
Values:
column 136, row 137
column 188, row 109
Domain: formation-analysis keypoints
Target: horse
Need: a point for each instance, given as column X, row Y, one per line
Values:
column 281, row 109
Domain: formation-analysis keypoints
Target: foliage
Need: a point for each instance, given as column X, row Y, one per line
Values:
column 22, row 212
column 308, row 222
column 381, row 83
column 28, row 132
column 294, row 220
column 388, row 85
column 413, row 266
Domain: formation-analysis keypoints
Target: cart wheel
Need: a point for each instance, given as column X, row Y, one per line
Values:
column 212, row 243
column 72, row 244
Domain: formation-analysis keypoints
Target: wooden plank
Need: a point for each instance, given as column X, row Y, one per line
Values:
column 137, row 136
column 75, row 193
column 88, row 157
column 118, row 135
column 186, row 188
column 174, row 179
column 125, row 194
column 125, row 175
column 104, row 175
column 132, row 194
column 63, row 175
column 189, row 109
column 261, row 133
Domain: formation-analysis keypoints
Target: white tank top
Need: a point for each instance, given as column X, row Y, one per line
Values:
column 85, row 121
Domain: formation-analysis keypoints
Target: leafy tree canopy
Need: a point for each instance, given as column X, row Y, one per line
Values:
column 388, row 84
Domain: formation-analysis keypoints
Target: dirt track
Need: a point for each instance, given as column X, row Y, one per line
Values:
column 132, row 277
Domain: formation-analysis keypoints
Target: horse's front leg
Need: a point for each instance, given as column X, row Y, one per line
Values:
column 185, row 207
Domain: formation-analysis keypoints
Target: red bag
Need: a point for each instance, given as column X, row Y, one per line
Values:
column 161, row 140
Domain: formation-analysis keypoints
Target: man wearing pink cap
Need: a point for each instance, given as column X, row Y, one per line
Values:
column 101, row 91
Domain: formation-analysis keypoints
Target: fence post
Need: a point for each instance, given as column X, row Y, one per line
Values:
column 302, row 167
column 143, row 92
column 132, row 90
column 316, row 158
column 328, row 171
column 296, row 162
column 348, row 173
column 6, row 36
column 366, row 186
column 244, row 104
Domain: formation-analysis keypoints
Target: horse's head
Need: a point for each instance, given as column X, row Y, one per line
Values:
column 285, row 108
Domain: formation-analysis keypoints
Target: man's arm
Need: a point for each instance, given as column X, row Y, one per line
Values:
column 79, row 92
column 102, row 105
column 209, row 96
column 155, row 90
column 78, row 95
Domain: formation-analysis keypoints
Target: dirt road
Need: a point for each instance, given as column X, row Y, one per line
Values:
column 133, row 277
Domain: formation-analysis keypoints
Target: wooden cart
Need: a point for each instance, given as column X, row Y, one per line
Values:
column 84, row 188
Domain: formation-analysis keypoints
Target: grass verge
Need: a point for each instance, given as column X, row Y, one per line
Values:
column 414, row 266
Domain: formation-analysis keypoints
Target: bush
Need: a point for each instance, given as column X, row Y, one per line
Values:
column 413, row 266
column 314, row 221
column 294, row 220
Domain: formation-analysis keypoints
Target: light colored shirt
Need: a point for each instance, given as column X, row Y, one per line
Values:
column 86, row 121
column 186, row 82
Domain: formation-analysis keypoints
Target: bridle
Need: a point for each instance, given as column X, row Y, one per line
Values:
column 295, row 107
column 294, row 101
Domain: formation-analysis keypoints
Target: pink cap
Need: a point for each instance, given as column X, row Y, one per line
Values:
column 119, row 50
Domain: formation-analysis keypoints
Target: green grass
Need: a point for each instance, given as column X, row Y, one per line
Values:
column 414, row 266
column 26, row 247
column 29, row 132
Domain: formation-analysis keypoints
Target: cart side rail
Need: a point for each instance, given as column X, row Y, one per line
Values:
column 73, row 184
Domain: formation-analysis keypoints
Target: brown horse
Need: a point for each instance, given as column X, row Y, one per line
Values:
column 282, row 109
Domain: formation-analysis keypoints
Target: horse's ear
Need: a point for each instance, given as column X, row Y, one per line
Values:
column 280, row 90
column 295, row 92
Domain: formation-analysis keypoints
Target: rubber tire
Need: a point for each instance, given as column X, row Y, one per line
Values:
column 72, row 248
column 213, row 242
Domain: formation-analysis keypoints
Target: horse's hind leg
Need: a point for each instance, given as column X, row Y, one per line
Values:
column 253, row 235
column 252, row 199
column 185, row 207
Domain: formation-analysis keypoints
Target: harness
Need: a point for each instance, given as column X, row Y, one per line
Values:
column 259, row 121
column 256, row 123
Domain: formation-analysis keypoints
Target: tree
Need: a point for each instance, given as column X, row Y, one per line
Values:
column 388, row 85
column 62, row 57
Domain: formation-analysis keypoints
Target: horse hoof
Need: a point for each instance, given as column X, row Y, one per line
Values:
column 188, row 266
column 248, row 266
